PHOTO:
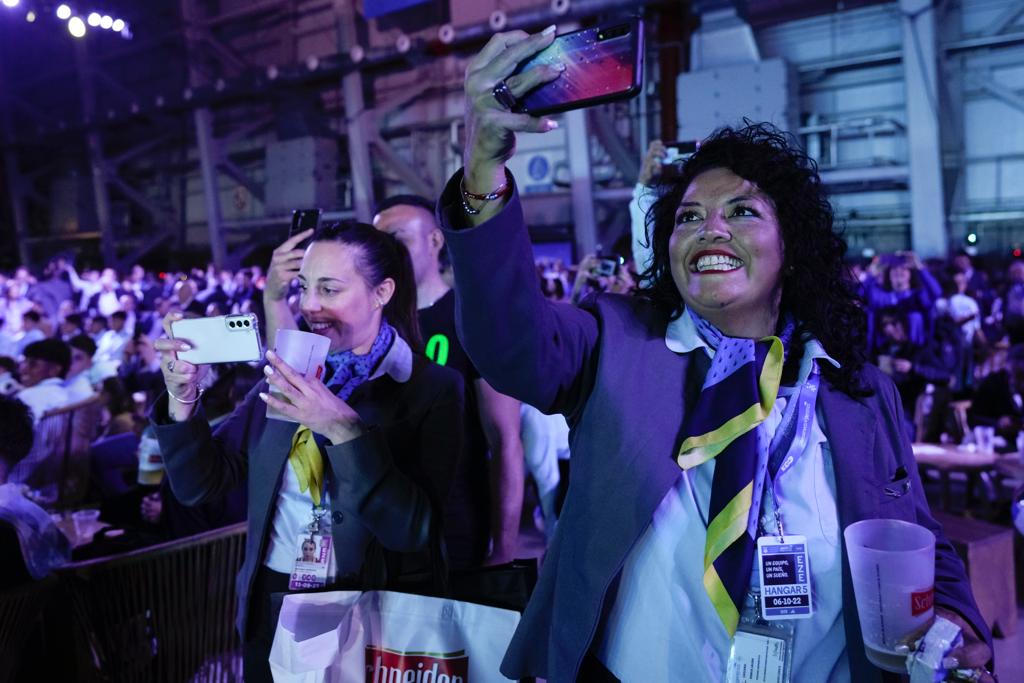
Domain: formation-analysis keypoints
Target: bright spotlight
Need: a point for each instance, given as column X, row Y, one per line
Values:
column 76, row 27
column 118, row 25
column 63, row 12
column 93, row 19
column 30, row 17
column 106, row 21
column 972, row 238
column 11, row 3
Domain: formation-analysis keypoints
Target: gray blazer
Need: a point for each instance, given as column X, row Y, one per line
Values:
column 625, row 394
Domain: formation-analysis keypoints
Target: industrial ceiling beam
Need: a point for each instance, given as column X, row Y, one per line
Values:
column 1005, row 19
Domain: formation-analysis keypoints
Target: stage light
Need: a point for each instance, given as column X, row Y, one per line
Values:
column 403, row 44
column 11, row 3
column 312, row 62
column 446, row 34
column 972, row 238
column 30, row 17
column 106, row 22
column 356, row 53
column 118, row 25
column 93, row 19
column 272, row 72
column 63, row 12
column 1017, row 252
column 76, row 27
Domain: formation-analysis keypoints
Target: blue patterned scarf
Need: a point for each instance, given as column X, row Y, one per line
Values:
column 349, row 370
column 739, row 393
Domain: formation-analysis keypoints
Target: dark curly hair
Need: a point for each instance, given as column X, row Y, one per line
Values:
column 817, row 290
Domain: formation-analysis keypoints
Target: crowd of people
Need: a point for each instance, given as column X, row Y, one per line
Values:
column 435, row 409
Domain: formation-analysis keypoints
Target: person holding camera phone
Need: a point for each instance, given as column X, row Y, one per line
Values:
column 366, row 469
column 728, row 404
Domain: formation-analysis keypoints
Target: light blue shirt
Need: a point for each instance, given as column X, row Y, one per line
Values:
column 662, row 625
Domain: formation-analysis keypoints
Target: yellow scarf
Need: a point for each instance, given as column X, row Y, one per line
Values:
column 307, row 462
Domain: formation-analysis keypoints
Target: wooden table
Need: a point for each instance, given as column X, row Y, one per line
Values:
column 947, row 458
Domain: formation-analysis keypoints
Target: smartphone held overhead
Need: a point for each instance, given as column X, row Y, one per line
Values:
column 602, row 64
column 303, row 220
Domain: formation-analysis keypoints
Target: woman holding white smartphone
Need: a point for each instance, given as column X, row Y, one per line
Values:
column 352, row 488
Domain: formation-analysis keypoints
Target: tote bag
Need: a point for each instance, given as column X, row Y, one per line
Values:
column 388, row 637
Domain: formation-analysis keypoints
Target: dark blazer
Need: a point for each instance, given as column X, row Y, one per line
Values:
column 387, row 486
column 607, row 368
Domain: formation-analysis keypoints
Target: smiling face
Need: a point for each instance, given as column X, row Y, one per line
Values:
column 336, row 301
column 726, row 254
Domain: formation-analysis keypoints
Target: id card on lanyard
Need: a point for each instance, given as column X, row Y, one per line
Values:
column 783, row 560
column 312, row 555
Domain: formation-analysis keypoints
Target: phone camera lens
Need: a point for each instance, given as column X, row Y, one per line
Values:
column 247, row 323
column 231, row 324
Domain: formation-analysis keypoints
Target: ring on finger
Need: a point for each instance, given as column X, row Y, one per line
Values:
column 504, row 96
column 170, row 366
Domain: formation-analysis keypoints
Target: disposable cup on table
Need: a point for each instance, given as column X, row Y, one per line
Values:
column 985, row 438
column 85, row 522
column 892, row 564
column 304, row 352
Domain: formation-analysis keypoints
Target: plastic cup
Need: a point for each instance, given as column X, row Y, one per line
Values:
column 892, row 564
column 85, row 522
column 985, row 437
column 304, row 352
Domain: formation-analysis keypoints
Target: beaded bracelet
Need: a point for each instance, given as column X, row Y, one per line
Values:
column 199, row 394
column 497, row 193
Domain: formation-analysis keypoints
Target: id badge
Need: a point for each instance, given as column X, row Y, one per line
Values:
column 759, row 655
column 313, row 557
column 785, row 578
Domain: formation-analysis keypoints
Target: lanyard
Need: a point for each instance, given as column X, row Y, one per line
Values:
column 317, row 525
column 790, row 440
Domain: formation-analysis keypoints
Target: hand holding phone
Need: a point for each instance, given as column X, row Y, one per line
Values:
column 602, row 64
column 286, row 259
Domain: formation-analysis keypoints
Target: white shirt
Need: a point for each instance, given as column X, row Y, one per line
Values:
column 663, row 627
column 47, row 395
column 79, row 387
column 110, row 345
column 293, row 512
column 30, row 337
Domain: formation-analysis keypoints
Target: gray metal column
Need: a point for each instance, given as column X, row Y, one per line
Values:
column 97, row 161
column 578, row 136
column 209, row 152
column 358, row 136
column 929, row 234
column 208, row 155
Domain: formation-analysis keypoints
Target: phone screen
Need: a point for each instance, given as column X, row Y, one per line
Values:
column 602, row 64
column 304, row 219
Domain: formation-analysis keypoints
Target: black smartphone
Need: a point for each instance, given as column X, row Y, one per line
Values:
column 602, row 64
column 607, row 266
column 302, row 220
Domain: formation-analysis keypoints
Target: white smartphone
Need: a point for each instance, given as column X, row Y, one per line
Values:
column 221, row 339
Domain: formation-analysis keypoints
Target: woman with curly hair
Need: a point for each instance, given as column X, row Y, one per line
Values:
column 730, row 402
